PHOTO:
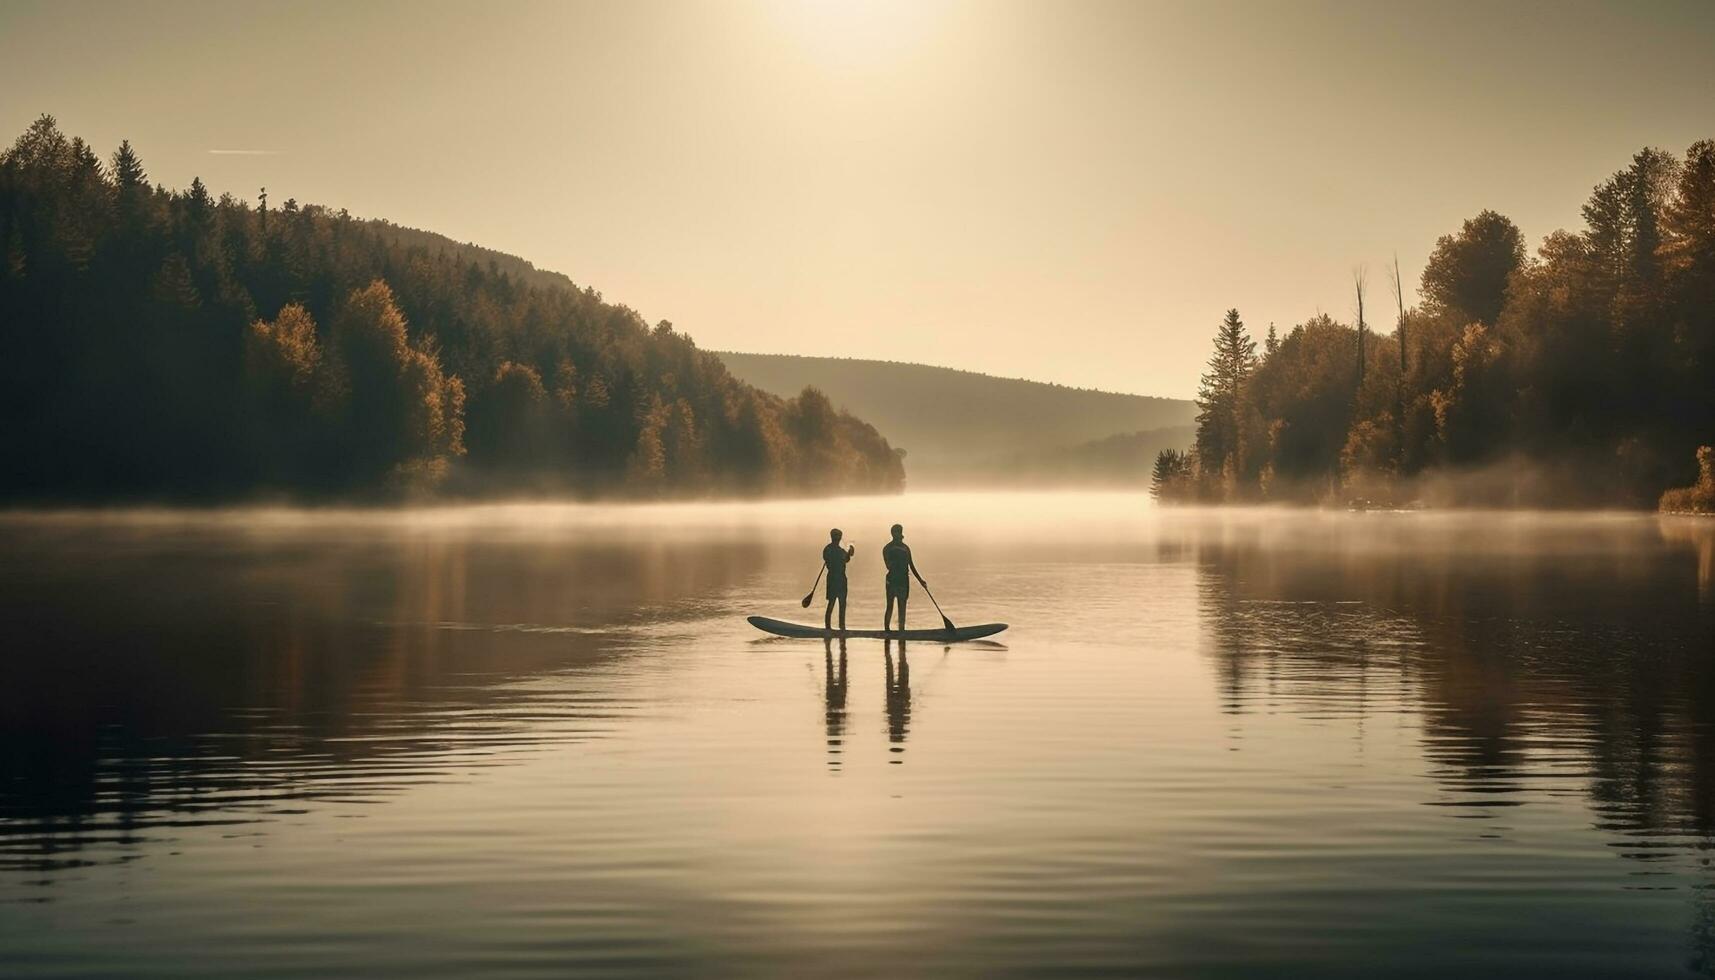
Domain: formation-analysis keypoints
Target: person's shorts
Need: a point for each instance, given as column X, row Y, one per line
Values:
column 837, row 588
column 900, row 589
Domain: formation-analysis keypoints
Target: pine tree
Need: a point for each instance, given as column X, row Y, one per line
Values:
column 1166, row 482
column 1272, row 343
column 127, row 169
column 198, row 205
column 1657, row 172
column 41, row 147
column 1219, row 399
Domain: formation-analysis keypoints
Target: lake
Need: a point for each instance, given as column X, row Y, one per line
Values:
column 541, row 740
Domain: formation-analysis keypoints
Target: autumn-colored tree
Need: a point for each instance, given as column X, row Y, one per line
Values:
column 510, row 425
column 1467, row 273
column 398, row 409
column 1699, row 498
column 646, row 469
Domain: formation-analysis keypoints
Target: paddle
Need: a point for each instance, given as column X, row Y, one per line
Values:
column 944, row 620
column 812, row 593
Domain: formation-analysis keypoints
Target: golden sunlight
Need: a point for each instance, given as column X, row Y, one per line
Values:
column 856, row 34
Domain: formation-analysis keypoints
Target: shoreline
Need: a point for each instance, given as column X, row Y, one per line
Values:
column 510, row 509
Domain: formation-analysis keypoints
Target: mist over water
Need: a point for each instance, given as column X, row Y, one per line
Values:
column 532, row 739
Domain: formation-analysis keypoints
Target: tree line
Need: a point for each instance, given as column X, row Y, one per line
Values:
column 175, row 345
column 1581, row 375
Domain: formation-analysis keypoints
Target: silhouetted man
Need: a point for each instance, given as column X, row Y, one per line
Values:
column 896, row 554
column 835, row 558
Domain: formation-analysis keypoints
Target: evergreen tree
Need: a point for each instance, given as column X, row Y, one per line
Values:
column 127, row 169
column 1219, row 396
column 1167, row 479
column 199, row 207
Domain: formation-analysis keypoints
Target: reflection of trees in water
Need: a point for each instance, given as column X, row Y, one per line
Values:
column 157, row 681
column 1699, row 533
column 1321, row 656
column 1521, row 657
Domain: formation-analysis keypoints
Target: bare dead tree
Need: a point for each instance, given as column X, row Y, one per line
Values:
column 1358, row 287
column 1399, row 389
column 1399, row 298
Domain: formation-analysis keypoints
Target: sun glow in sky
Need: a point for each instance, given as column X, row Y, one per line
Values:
column 1073, row 192
column 851, row 35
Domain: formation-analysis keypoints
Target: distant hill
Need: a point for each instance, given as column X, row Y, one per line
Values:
column 1125, row 460
column 955, row 423
column 469, row 253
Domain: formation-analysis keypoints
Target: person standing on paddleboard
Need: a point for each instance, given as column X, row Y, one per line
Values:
column 834, row 558
column 896, row 554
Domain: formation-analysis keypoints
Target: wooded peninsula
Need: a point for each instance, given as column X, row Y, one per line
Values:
column 170, row 345
column 1581, row 376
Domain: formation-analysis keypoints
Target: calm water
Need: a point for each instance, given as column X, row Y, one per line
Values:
column 539, row 741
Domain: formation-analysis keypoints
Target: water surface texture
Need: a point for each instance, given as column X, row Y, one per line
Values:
column 542, row 741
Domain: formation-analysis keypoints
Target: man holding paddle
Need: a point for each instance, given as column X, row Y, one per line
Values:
column 900, row 568
column 896, row 554
column 834, row 559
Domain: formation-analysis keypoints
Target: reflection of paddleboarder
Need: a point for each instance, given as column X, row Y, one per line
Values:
column 834, row 700
column 834, row 558
column 896, row 554
column 898, row 698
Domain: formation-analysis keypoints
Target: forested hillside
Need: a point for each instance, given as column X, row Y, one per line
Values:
column 1584, row 374
column 171, row 344
column 1123, row 461
column 953, row 424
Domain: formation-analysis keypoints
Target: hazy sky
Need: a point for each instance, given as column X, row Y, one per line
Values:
column 1073, row 192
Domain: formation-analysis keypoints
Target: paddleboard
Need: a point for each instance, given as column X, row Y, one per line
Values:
column 782, row 628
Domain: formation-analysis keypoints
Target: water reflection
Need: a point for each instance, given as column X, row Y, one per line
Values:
column 162, row 681
column 834, row 695
column 1541, row 666
column 1441, row 740
column 898, row 699
column 1515, row 654
column 1699, row 534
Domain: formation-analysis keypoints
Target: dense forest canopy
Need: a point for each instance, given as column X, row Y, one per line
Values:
column 1582, row 375
column 170, row 344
